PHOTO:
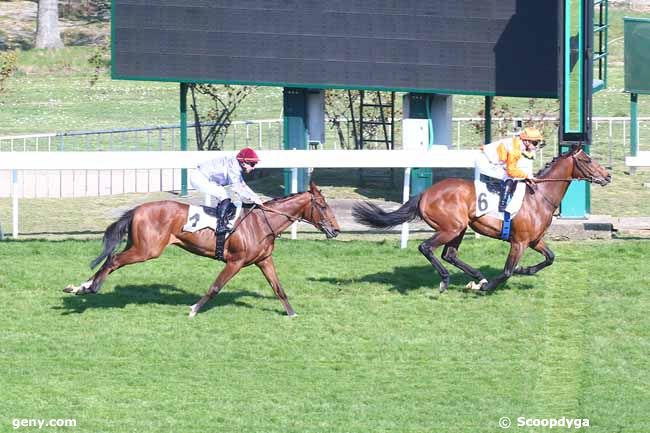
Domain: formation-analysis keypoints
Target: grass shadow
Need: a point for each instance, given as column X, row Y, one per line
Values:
column 404, row 279
column 161, row 294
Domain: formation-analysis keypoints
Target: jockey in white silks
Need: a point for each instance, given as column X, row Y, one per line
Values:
column 500, row 160
column 220, row 177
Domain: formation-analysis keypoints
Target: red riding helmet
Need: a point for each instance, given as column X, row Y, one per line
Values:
column 247, row 155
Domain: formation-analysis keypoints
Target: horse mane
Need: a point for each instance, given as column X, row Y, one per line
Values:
column 283, row 199
column 549, row 164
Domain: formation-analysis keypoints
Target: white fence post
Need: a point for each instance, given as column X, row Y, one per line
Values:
column 294, row 189
column 406, row 191
column 14, row 203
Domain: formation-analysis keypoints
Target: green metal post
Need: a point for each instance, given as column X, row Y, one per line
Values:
column 419, row 108
column 634, row 124
column 487, row 132
column 295, row 135
column 576, row 203
column 606, row 36
column 183, row 108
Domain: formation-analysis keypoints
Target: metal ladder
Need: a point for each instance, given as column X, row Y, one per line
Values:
column 601, row 24
column 376, row 130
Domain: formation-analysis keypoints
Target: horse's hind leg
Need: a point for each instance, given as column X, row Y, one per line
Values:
column 268, row 269
column 449, row 254
column 428, row 247
column 134, row 254
column 128, row 257
column 549, row 257
column 224, row 276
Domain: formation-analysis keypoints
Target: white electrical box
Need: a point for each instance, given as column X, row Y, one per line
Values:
column 415, row 134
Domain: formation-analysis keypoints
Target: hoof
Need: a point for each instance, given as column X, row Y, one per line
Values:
column 81, row 290
column 443, row 287
column 193, row 312
column 483, row 290
column 476, row 287
column 75, row 290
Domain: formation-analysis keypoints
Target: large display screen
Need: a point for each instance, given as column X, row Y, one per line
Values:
column 491, row 47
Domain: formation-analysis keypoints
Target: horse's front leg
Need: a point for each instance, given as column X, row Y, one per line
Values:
column 268, row 269
column 549, row 257
column 225, row 275
column 450, row 255
column 516, row 251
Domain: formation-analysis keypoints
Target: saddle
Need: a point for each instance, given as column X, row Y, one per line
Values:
column 493, row 184
column 202, row 217
column 210, row 211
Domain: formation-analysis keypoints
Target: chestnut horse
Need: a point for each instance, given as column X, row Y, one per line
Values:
column 449, row 207
column 151, row 227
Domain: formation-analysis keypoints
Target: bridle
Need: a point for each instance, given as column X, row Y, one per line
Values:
column 322, row 220
column 578, row 164
column 314, row 205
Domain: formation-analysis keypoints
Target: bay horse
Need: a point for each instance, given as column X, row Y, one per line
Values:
column 151, row 227
column 449, row 207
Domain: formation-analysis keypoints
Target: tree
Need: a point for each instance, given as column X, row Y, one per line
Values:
column 8, row 62
column 337, row 112
column 47, row 25
column 541, row 115
column 211, row 128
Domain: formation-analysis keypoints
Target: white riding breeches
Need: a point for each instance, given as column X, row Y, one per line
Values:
column 199, row 181
column 486, row 167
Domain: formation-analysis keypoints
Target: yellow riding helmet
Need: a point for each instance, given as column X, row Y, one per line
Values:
column 531, row 134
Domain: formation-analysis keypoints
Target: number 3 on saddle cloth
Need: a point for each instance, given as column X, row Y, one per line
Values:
column 201, row 217
column 488, row 190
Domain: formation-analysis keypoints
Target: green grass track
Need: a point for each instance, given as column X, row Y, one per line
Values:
column 375, row 347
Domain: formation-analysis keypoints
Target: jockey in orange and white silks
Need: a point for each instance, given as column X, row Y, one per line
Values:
column 215, row 175
column 500, row 159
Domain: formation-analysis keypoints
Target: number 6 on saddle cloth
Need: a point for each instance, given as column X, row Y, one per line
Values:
column 488, row 190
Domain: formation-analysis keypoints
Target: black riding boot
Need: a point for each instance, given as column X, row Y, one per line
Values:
column 506, row 191
column 222, row 215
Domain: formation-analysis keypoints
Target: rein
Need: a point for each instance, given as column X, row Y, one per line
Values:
column 588, row 179
column 266, row 209
column 291, row 218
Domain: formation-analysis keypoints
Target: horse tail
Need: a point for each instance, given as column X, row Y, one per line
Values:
column 114, row 235
column 370, row 214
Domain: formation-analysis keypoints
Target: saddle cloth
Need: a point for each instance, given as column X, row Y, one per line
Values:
column 487, row 198
column 198, row 219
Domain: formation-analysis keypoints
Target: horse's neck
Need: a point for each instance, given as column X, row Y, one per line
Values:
column 293, row 207
column 555, row 190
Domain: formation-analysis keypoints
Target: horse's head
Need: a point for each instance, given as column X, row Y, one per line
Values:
column 584, row 167
column 320, row 214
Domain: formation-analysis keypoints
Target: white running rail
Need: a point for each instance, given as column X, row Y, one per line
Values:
column 440, row 156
